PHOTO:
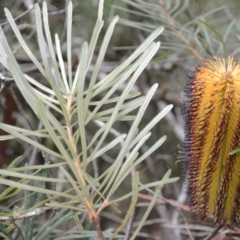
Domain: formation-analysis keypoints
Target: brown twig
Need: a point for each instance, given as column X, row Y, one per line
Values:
column 96, row 221
column 178, row 33
column 185, row 207
column 178, row 206
column 164, row 201
column 213, row 233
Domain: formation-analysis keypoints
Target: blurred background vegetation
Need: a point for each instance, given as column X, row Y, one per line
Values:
column 194, row 30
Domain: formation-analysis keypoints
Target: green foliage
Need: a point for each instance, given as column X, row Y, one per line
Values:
column 193, row 29
column 69, row 104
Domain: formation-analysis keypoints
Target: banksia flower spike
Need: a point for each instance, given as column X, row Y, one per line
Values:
column 211, row 111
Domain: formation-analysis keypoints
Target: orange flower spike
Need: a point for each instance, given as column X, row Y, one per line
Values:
column 211, row 111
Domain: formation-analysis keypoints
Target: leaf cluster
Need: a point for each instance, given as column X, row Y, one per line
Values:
column 68, row 104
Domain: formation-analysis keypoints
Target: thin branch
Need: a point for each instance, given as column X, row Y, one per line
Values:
column 96, row 221
column 173, row 203
column 213, row 233
column 178, row 33
column 17, row 216
column 18, row 17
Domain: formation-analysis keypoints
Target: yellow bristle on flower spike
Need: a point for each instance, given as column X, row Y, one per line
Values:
column 211, row 111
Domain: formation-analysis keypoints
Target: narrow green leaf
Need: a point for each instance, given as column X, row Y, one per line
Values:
column 13, row 131
column 35, row 189
column 132, row 206
column 150, row 206
column 80, row 103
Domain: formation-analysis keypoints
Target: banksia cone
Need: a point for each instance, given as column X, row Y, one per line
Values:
column 211, row 111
